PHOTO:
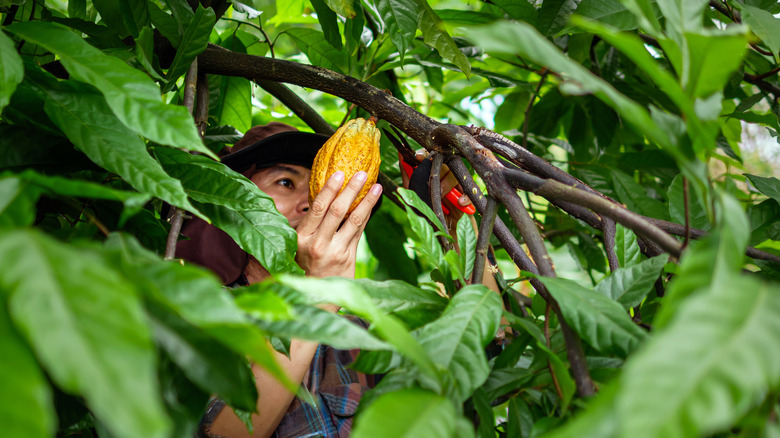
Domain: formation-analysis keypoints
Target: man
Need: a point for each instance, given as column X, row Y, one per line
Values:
column 278, row 161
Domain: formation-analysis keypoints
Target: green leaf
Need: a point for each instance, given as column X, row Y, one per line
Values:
column 124, row 16
column 85, row 118
column 561, row 372
column 194, row 41
column 457, row 339
column 769, row 186
column 133, row 97
column 144, row 53
column 635, row 197
column 601, row 322
column 197, row 296
column 165, row 23
column 386, row 238
column 317, row 49
column 77, row 9
column 714, row 57
column 764, row 25
column 400, row 17
column 206, row 362
column 209, row 181
column 87, row 327
column 554, row 15
column 406, row 414
column 505, row 380
column 313, row 324
column 435, row 36
column 424, row 238
column 696, row 212
column 522, row 39
column 17, row 202
column 597, row 420
column 467, row 243
column 234, row 106
column 511, row 113
column 350, row 295
column 411, row 199
column 342, row 7
column 626, row 247
column 682, row 16
column 329, row 23
column 629, row 285
column 11, row 69
column 610, row 12
column 521, row 10
column 264, row 233
column 412, row 305
column 715, row 360
column 27, row 407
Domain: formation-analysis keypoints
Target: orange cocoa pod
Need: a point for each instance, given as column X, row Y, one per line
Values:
column 354, row 147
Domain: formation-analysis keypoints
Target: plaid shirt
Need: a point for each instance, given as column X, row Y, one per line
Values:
column 336, row 388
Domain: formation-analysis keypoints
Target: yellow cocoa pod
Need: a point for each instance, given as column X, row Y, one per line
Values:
column 354, row 147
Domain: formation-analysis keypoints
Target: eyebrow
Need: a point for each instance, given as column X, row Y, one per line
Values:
column 285, row 168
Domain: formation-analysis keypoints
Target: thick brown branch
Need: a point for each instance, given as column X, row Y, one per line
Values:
column 483, row 240
column 552, row 189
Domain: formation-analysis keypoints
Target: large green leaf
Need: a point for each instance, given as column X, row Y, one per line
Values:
column 318, row 325
column 521, row 10
column 344, row 8
column 27, row 408
column 467, row 243
column 597, row 420
column 769, row 186
column 424, row 237
column 713, row 57
column 318, row 50
column 329, row 23
column 11, row 69
column 408, row 413
column 262, row 232
column 412, row 305
column 682, row 15
column 197, row 296
column 206, row 180
column 132, row 96
column 522, row 39
column 554, row 15
column 601, row 322
column 635, row 197
column 87, row 327
column 205, row 361
column 765, row 25
column 717, row 358
column 85, row 118
column 234, row 105
column 400, row 17
column 411, row 199
column 437, row 37
column 194, row 41
column 609, row 12
column 626, row 247
column 629, row 286
column 17, row 202
column 456, row 340
column 350, row 295
column 697, row 215
column 125, row 17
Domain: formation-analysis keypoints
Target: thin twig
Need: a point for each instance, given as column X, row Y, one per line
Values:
column 434, row 184
column 530, row 106
column 177, row 218
column 686, row 202
column 768, row 74
column 483, row 239
column 549, row 347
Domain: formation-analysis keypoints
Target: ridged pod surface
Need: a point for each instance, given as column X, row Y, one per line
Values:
column 354, row 147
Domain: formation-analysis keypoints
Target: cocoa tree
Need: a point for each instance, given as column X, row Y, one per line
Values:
column 633, row 234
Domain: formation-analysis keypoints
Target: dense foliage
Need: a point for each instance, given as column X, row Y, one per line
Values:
column 649, row 305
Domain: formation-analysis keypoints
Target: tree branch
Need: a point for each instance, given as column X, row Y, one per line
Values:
column 483, row 240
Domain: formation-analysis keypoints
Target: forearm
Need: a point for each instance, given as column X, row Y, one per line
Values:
column 274, row 398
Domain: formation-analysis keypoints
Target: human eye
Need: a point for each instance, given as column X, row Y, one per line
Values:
column 286, row 182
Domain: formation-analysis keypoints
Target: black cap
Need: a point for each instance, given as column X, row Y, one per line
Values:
column 291, row 147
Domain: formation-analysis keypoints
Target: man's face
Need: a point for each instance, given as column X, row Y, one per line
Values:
column 288, row 185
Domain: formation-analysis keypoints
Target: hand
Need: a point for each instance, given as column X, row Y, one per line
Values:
column 327, row 244
column 448, row 182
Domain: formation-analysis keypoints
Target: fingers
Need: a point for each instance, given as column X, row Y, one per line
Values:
column 319, row 207
column 339, row 207
column 354, row 225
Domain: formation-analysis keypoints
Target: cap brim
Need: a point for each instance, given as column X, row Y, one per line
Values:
column 292, row 147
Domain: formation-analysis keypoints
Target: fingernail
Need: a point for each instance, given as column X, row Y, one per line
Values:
column 376, row 189
column 361, row 176
column 338, row 176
